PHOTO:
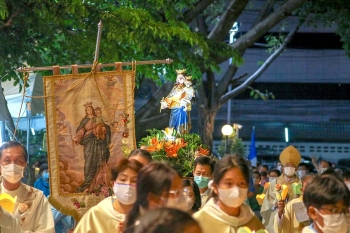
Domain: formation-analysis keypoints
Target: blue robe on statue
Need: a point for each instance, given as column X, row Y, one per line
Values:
column 178, row 119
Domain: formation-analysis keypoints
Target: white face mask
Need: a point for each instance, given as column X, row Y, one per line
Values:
column 189, row 202
column 289, row 171
column 279, row 168
column 323, row 169
column 333, row 223
column 301, row 173
column 12, row 173
column 125, row 193
column 177, row 203
column 233, row 197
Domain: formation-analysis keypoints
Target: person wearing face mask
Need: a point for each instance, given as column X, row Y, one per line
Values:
column 327, row 200
column 302, row 170
column 258, row 190
column 158, row 185
column 322, row 165
column 292, row 218
column 202, row 172
column 109, row 215
column 42, row 183
column 290, row 159
column 32, row 212
column 226, row 211
column 193, row 197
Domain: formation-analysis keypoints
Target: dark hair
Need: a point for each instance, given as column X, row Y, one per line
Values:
column 11, row 144
column 263, row 174
column 143, row 153
column 154, row 178
column 197, row 194
column 326, row 189
column 303, row 165
column 162, row 220
column 278, row 172
column 265, row 166
column 225, row 164
column 124, row 164
column 346, row 175
column 204, row 160
column 43, row 167
column 257, row 174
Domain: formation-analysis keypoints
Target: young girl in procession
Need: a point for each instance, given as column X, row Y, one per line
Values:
column 225, row 211
column 327, row 200
column 158, row 185
column 109, row 215
column 193, row 196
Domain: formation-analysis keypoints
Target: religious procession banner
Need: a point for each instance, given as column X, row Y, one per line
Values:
column 90, row 126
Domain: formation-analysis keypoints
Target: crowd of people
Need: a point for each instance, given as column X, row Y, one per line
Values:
column 219, row 196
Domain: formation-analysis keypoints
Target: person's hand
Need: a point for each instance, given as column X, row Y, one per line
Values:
column 120, row 227
column 280, row 207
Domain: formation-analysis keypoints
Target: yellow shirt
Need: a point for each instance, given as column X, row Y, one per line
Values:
column 268, row 210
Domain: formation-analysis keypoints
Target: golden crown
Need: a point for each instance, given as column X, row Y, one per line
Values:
column 88, row 104
column 181, row 71
column 188, row 78
column 97, row 109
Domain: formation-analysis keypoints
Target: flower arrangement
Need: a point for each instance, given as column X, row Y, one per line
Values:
column 178, row 150
column 281, row 192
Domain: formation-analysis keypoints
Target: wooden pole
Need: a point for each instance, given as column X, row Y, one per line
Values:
column 150, row 62
column 99, row 32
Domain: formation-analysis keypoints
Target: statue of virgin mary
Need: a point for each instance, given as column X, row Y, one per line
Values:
column 179, row 101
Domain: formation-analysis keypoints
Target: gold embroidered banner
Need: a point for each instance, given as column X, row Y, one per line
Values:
column 90, row 126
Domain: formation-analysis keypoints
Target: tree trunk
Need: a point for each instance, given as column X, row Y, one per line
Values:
column 206, row 120
column 5, row 114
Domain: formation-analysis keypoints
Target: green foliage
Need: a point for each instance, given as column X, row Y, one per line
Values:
column 235, row 146
column 46, row 33
column 190, row 146
column 256, row 94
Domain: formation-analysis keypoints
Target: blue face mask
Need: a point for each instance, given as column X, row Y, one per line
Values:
column 202, row 181
column 46, row 175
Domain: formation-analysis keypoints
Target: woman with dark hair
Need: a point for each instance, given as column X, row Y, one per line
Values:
column 226, row 210
column 327, row 201
column 42, row 183
column 165, row 220
column 109, row 215
column 193, row 196
column 158, row 185
column 143, row 156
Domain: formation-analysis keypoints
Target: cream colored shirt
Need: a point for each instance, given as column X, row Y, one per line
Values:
column 38, row 217
column 212, row 219
column 101, row 218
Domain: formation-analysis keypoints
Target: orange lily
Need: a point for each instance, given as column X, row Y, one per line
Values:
column 171, row 148
column 203, row 151
column 155, row 145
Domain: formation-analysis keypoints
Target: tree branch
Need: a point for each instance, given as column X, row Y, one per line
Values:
column 197, row 9
column 238, row 90
column 272, row 20
column 226, row 21
column 226, row 80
